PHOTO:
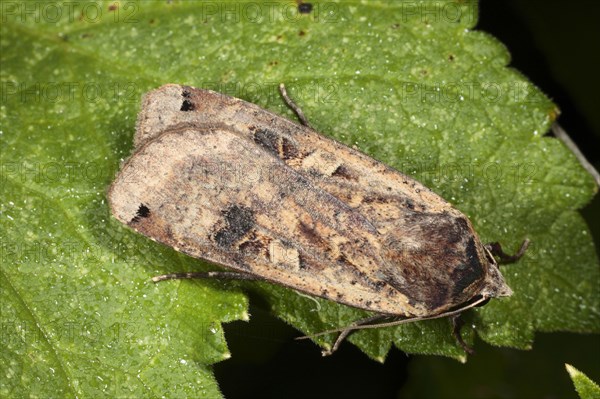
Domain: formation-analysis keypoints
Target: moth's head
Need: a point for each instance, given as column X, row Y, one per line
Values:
column 493, row 285
column 439, row 262
column 496, row 285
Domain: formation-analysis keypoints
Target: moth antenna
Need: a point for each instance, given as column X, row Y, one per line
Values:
column 394, row 323
column 290, row 103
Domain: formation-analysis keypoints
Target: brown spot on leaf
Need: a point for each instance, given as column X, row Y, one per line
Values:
column 305, row 8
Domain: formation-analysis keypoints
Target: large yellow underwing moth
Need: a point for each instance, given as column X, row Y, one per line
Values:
column 224, row 180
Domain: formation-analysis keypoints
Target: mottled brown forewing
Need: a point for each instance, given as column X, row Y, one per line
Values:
column 221, row 179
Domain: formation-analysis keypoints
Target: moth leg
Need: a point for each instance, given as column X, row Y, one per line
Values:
column 293, row 105
column 349, row 330
column 457, row 323
column 217, row 275
column 496, row 249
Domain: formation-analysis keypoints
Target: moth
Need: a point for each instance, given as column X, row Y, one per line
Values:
column 221, row 179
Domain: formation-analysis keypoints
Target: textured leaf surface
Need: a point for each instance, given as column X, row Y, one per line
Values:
column 586, row 388
column 420, row 91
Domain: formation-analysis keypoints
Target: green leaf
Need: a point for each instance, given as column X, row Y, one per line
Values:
column 410, row 83
column 504, row 372
column 586, row 388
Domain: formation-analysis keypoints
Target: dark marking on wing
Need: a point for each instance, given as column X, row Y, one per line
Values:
column 343, row 172
column 438, row 294
column 276, row 144
column 302, row 264
column 239, row 220
column 312, row 235
column 457, row 230
column 142, row 212
column 251, row 248
column 169, row 233
column 288, row 149
column 377, row 199
column 255, row 245
column 268, row 140
column 187, row 104
column 467, row 273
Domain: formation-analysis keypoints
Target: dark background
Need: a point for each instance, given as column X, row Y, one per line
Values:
column 555, row 44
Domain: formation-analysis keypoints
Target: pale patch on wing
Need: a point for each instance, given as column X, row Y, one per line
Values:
column 322, row 162
column 280, row 254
